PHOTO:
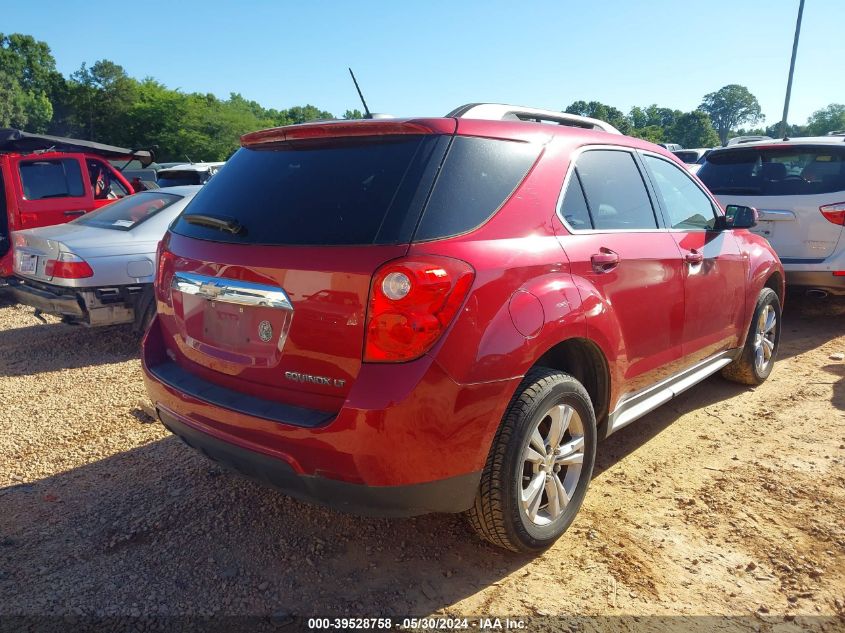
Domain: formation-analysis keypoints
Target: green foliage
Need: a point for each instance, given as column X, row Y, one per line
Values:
column 27, row 78
column 13, row 102
column 694, row 129
column 829, row 119
column 601, row 111
column 729, row 106
column 353, row 114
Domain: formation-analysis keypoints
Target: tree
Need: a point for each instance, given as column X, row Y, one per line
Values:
column 353, row 114
column 602, row 112
column 729, row 106
column 829, row 119
column 694, row 129
column 653, row 133
column 29, row 77
column 12, row 102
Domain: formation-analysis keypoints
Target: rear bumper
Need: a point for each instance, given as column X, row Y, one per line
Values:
column 448, row 495
column 818, row 274
column 64, row 305
column 821, row 280
column 81, row 305
column 407, row 440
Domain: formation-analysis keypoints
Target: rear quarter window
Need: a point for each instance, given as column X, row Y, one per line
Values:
column 478, row 176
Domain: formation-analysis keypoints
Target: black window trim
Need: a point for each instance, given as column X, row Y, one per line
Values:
column 667, row 224
column 573, row 160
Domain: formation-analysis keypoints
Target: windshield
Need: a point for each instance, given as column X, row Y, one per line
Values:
column 775, row 171
column 126, row 214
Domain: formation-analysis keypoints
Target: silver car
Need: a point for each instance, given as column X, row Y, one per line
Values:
column 99, row 268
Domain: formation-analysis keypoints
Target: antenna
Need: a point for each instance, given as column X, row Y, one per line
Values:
column 367, row 114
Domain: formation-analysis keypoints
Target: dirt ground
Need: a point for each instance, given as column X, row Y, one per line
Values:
column 726, row 501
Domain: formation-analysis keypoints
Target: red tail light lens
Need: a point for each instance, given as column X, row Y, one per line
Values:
column 412, row 302
column 163, row 258
column 68, row 266
column 834, row 213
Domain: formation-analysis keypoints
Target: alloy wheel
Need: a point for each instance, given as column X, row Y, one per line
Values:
column 551, row 464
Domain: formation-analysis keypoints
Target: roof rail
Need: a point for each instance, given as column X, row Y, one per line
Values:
column 500, row 111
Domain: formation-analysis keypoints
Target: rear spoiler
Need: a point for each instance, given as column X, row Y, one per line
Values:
column 336, row 129
column 12, row 140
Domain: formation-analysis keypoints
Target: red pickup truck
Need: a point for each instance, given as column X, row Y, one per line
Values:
column 48, row 180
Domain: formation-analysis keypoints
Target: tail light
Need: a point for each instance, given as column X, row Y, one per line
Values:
column 412, row 302
column 68, row 266
column 834, row 213
column 163, row 258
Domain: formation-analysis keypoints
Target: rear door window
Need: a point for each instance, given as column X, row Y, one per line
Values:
column 54, row 178
column 330, row 192
column 614, row 191
column 687, row 206
column 790, row 170
column 478, row 176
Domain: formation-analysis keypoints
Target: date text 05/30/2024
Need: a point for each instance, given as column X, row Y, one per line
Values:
column 418, row 624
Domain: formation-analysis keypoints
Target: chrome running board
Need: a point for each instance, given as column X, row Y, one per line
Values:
column 637, row 405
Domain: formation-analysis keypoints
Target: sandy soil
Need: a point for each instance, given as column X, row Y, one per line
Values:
column 726, row 501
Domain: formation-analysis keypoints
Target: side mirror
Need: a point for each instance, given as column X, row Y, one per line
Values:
column 740, row 217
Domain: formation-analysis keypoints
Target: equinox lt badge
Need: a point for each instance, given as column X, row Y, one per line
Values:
column 315, row 380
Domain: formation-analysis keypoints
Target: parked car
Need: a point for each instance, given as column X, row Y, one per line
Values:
column 445, row 315
column 187, row 174
column 672, row 147
column 48, row 180
column 798, row 186
column 98, row 269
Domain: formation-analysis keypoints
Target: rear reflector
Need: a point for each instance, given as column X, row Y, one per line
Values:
column 834, row 213
column 839, row 273
column 68, row 266
column 412, row 302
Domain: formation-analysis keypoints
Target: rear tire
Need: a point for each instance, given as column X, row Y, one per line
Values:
column 757, row 359
column 539, row 466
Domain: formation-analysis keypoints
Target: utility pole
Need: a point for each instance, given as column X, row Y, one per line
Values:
column 791, row 70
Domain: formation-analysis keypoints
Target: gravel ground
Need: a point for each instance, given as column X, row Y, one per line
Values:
column 726, row 501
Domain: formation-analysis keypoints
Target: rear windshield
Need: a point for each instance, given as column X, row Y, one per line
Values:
column 127, row 213
column 687, row 156
column 775, row 171
column 357, row 191
column 179, row 178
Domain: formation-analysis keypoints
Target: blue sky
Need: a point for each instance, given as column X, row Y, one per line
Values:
column 425, row 58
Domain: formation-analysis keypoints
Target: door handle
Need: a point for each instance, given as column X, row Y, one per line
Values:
column 694, row 257
column 604, row 261
column 77, row 212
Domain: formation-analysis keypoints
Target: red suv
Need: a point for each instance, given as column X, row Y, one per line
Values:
column 445, row 315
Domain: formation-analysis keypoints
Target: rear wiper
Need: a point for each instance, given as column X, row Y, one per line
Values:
column 220, row 222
